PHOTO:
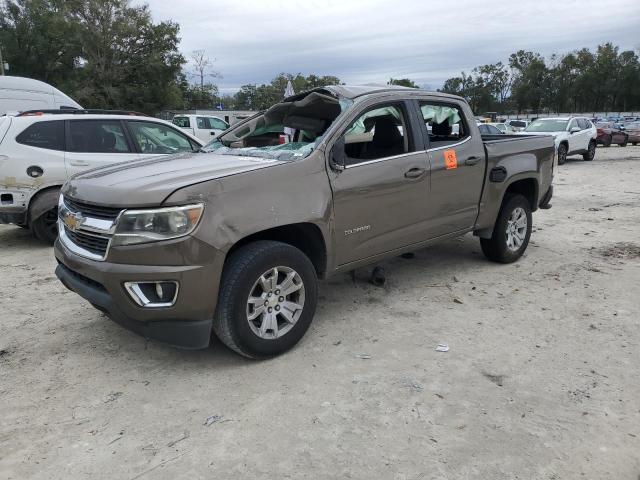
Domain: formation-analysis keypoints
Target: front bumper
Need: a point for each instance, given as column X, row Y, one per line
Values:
column 185, row 324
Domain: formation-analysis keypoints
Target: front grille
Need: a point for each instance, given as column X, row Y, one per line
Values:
column 95, row 211
column 96, row 244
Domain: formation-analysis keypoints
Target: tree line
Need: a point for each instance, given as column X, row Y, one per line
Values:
column 111, row 54
column 581, row 81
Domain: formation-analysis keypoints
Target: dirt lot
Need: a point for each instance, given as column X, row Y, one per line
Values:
column 540, row 382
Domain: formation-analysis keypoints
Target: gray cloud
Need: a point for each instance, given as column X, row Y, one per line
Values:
column 369, row 41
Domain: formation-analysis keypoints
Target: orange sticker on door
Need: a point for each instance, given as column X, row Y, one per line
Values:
column 450, row 160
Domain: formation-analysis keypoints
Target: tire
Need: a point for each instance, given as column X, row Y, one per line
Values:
column 625, row 143
column 634, row 143
column 241, row 280
column 562, row 154
column 497, row 248
column 591, row 152
column 45, row 227
column 606, row 141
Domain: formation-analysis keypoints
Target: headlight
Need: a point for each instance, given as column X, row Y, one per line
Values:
column 141, row 226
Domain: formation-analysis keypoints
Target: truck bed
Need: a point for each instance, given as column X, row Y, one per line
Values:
column 511, row 157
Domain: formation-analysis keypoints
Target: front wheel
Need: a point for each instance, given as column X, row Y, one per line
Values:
column 511, row 232
column 562, row 154
column 606, row 141
column 591, row 152
column 268, row 295
column 625, row 143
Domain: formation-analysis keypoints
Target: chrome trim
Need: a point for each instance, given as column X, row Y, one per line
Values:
column 94, row 227
column 78, row 250
column 449, row 146
column 135, row 292
column 384, row 159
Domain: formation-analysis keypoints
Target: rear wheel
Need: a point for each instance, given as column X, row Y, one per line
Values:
column 591, row 152
column 45, row 227
column 562, row 154
column 511, row 232
column 267, row 299
column 626, row 141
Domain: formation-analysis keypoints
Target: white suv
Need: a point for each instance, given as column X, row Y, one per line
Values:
column 206, row 128
column 573, row 135
column 40, row 150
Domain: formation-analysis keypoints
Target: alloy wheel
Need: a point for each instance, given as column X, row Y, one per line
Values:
column 275, row 302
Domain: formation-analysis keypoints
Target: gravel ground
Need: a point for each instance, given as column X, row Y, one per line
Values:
column 540, row 382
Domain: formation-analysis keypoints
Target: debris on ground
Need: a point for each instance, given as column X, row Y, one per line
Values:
column 212, row 419
column 113, row 396
column 497, row 379
column 621, row 250
column 364, row 356
column 442, row 347
column 457, row 300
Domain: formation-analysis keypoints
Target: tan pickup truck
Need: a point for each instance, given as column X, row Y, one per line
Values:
column 234, row 238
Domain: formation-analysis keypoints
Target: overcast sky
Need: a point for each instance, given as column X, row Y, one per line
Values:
column 369, row 41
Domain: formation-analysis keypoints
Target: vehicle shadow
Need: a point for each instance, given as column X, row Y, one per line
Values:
column 431, row 266
column 16, row 238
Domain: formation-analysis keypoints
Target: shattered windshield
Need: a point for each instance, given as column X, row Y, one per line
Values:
column 289, row 130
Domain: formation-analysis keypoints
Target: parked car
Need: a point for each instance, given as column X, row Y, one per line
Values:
column 201, row 126
column 489, row 129
column 18, row 94
column 40, row 150
column 572, row 135
column 504, row 128
column 234, row 239
column 609, row 132
column 518, row 125
column 633, row 132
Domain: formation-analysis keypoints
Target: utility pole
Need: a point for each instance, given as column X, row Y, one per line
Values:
column 1, row 63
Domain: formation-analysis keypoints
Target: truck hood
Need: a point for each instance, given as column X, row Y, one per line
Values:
column 149, row 181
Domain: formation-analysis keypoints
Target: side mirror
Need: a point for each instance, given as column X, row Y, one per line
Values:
column 574, row 130
column 338, row 156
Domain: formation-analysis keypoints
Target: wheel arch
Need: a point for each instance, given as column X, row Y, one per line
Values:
column 306, row 236
column 42, row 201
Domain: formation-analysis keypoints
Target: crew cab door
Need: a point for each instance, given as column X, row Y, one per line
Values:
column 93, row 143
column 457, row 163
column 381, row 197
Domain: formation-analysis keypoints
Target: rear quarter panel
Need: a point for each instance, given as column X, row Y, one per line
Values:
column 523, row 157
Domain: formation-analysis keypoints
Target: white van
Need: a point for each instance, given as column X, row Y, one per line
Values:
column 19, row 94
column 204, row 127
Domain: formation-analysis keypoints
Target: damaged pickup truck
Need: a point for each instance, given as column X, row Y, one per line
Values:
column 234, row 238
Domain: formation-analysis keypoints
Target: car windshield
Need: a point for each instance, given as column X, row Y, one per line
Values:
column 290, row 130
column 550, row 125
column 182, row 122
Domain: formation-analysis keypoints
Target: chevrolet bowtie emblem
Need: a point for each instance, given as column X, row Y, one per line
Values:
column 73, row 221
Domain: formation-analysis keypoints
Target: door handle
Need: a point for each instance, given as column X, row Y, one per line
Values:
column 414, row 173
column 79, row 163
column 472, row 160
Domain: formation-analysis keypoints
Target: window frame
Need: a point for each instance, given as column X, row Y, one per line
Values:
column 215, row 119
column 194, row 146
column 428, row 146
column 69, row 142
column 405, row 107
column 63, row 140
